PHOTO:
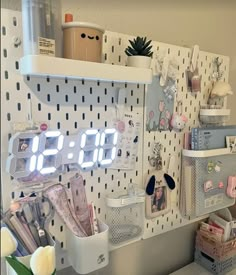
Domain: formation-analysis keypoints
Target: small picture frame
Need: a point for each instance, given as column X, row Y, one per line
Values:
column 158, row 203
column 231, row 143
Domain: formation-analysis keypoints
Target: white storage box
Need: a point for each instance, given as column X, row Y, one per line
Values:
column 89, row 253
column 214, row 116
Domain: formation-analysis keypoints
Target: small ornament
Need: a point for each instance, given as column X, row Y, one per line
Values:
column 194, row 81
column 156, row 160
column 178, row 120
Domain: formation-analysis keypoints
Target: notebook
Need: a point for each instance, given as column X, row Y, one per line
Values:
column 211, row 138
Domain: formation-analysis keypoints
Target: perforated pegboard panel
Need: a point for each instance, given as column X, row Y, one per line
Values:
column 71, row 104
column 67, row 105
column 172, row 141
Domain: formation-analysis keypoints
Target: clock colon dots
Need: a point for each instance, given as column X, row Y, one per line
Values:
column 36, row 155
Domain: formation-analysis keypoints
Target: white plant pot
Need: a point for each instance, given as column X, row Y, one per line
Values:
column 139, row 61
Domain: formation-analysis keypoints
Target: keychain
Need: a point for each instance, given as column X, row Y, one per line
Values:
column 178, row 120
column 192, row 73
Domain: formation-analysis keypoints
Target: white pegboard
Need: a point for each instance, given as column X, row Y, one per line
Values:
column 71, row 104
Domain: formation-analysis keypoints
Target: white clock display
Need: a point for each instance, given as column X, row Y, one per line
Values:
column 47, row 152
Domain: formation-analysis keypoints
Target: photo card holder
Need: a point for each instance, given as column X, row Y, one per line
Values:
column 159, row 202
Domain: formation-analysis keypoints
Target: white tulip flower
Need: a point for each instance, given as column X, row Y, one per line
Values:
column 42, row 261
column 8, row 242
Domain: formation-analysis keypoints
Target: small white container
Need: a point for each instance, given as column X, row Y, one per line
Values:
column 214, row 116
column 89, row 253
column 125, row 216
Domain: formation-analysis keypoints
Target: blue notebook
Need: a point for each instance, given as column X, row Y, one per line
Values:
column 211, row 138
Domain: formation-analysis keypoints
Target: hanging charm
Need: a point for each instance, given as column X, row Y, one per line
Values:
column 217, row 72
column 178, row 120
column 156, row 160
column 192, row 73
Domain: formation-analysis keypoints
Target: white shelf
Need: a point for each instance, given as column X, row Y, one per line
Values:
column 206, row 153
column 39, row 65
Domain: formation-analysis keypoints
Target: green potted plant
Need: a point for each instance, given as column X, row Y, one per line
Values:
column 139, row 52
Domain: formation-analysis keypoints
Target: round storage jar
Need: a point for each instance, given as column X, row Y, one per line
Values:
column 82, row 41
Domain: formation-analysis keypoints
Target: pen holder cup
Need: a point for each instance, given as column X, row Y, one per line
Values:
column 26, row 259
column 89, row 253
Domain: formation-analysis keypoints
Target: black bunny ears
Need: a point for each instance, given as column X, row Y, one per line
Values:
column 152, row 181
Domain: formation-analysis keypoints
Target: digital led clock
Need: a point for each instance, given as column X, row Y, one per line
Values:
column 36, row 155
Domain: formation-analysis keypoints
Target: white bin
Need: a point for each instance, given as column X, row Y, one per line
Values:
column 89, row 253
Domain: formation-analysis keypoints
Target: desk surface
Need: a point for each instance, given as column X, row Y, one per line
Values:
column 196, row 269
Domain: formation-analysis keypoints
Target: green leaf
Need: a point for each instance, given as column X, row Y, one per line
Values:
column 54, row 273
column 147, row 51
column 147, row 44
column 19, row 268
column 132, row 51
column 132, row 44
column 127, row 52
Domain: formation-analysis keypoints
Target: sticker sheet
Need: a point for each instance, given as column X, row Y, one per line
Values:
column 127, row 148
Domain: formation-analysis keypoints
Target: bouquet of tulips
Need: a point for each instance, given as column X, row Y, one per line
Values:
column 42, row 261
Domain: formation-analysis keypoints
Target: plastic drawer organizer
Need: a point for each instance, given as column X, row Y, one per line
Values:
column 215, row 249
column 205, row 176
column 125, row 216
column 213, row 265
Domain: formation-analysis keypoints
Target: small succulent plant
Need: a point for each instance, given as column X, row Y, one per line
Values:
column 139, row 46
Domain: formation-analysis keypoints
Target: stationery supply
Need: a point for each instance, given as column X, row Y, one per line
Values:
column 80, row 203
column 211, row 138
column 59, row 199
column 21, row 251
column 216, row 243
column 219, row 222
column 78, row 215
column 26, row 219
